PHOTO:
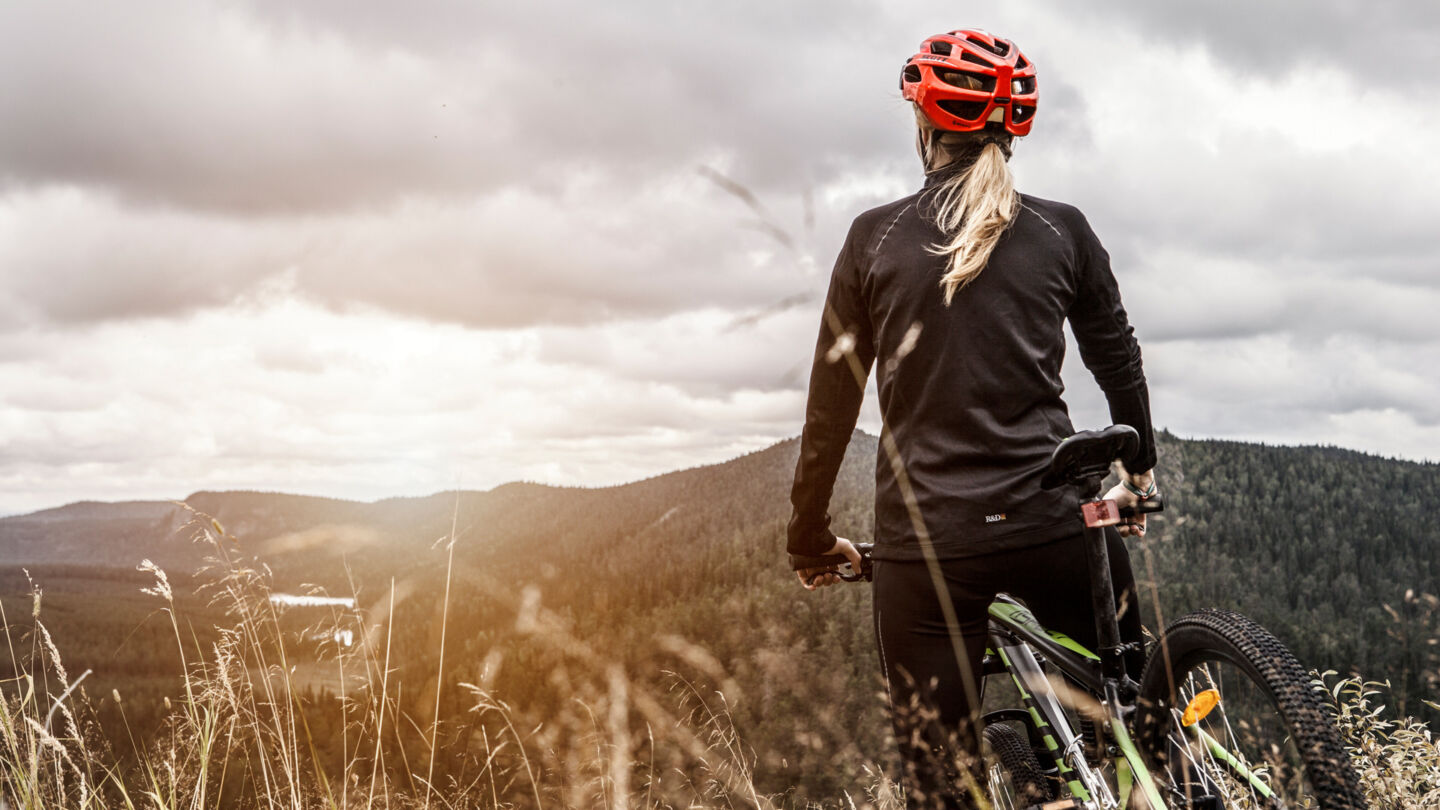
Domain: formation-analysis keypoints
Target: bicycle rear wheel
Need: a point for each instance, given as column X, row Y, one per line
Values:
column 1027, row 778
column 1270, row 741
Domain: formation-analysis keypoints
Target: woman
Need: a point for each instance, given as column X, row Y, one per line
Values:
column 960, row 291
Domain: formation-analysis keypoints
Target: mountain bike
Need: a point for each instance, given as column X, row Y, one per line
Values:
column 1223, row 715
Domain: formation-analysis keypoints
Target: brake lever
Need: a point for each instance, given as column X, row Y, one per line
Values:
column 1149, row 506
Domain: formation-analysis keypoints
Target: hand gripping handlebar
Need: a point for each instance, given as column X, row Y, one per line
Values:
column 797, row 562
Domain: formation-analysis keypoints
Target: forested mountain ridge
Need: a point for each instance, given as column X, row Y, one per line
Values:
column 1320, row 544
column 1321, row 532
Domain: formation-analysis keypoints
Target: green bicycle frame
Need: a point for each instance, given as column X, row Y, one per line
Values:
column 1015, row 639
column 1016, row 635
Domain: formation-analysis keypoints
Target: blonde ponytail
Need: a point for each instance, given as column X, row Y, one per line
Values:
column 974, row 206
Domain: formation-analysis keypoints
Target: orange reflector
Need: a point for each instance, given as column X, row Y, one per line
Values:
column 1199, row 707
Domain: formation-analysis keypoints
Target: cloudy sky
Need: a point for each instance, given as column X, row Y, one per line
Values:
column 362, row 248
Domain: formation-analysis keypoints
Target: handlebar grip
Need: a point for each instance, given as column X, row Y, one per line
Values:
column 1154, row 503
column 797, row 561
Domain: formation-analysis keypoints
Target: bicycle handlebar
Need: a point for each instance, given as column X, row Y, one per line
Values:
column 1146, row 507
column 1149, row 506
column 827, row 560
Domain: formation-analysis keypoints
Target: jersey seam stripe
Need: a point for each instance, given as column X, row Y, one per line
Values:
column 891, row 226
column 1043, row 219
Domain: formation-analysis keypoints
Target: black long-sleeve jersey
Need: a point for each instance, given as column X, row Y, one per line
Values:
column 970, row 393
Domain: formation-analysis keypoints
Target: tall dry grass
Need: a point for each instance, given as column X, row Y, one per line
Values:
column 1398, row 758
column 241, row 732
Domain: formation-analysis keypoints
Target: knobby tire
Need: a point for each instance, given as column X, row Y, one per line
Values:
column 1208, row 641
column 1026, row 776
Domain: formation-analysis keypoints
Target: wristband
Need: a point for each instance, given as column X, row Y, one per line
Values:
column 1136, row 491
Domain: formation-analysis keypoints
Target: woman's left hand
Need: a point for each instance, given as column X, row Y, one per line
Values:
column 813, row 578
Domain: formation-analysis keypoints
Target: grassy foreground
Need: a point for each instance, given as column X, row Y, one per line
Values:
column 248, row 731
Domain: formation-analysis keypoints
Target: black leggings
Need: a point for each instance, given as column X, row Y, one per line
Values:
column 928, row 701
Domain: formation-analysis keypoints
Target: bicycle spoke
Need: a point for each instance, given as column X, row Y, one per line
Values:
column 1257, row 763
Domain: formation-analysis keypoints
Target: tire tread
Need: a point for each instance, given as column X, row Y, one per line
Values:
column 1211, row 632
column 1012, row 748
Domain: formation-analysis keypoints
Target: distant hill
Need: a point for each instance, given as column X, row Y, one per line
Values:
column 301, row 537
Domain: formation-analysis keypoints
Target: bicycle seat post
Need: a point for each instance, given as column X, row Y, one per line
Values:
column 1083, row 461
column 1102, row 600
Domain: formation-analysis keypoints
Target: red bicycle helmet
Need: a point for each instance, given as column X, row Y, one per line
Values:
column 967, row 79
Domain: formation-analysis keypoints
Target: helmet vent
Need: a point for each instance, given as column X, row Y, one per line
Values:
column 1023, row 87
column 966, row 56
column 966, row 80
column 967, row 110
column 911, row 73
column 999, row 48
column 940, row 48
column 1021, row 64
column 1020, row 114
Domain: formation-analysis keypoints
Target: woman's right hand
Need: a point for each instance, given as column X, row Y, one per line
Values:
column 813, row 578
column 1123, row 497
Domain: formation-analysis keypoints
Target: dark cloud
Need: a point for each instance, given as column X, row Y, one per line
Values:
column 1388, row 44
column 200, row 105
column 1201, row 299
column 501, row 261
column 70, row 257
column 283, row 109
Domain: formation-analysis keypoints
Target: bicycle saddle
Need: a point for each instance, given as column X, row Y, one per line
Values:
column 1084, row 459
